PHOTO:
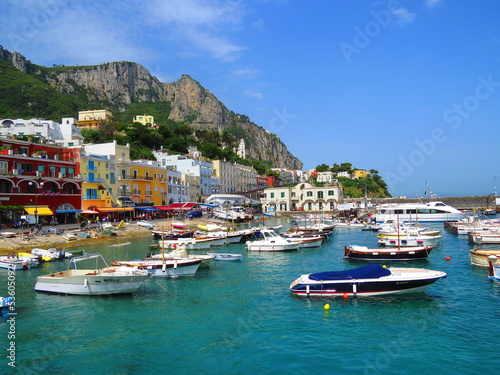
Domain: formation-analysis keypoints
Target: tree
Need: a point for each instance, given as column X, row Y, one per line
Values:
column 322, row 168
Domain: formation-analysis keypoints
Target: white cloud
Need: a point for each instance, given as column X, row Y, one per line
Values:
column 253, row 94
column 203, row 23
column 247, row 73
column 258, row 25
column 431, row 3
column 403, row 16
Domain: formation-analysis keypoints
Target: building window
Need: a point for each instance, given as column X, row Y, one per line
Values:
column 282, row 194
column 91, row 194
column 4, row 167
column 331, row 193
column 309, row 194
column 320, row 195
column 272, row 195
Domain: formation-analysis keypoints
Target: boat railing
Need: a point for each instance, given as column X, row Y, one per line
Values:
column 95, row 256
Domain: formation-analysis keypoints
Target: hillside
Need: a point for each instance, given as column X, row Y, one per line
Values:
column 30, row 90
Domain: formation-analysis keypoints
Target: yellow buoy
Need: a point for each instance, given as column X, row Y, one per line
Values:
column 327, row 306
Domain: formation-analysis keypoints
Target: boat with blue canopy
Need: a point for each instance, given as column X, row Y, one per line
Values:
column 370, row 280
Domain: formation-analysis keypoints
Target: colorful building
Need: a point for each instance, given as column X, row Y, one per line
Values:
column 94, row 118
column 42, row 178
column 145, row 120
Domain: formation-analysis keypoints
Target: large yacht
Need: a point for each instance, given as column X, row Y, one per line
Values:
column 421, row 212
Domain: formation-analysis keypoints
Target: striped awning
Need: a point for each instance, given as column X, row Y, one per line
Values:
column 115, row 209
column 40, row 211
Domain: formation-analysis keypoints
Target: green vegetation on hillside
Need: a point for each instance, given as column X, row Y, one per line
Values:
column 370, row 186
column 23, row 96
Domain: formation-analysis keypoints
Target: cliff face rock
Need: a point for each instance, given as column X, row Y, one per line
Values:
column 122, row 83
column 118, row 83
column 18, row 60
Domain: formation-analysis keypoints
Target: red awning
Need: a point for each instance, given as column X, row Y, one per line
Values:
column 178, row 207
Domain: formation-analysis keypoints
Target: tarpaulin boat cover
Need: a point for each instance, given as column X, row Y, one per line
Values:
column 370, row 271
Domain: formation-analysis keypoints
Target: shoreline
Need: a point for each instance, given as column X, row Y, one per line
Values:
column 21, row 244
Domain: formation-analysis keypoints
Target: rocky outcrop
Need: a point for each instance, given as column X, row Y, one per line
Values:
column 18, row 60
column 122, row 83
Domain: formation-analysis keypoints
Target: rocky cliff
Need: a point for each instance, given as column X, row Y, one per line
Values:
column 121, row 83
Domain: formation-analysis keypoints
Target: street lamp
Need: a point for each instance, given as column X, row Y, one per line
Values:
column 36, row 200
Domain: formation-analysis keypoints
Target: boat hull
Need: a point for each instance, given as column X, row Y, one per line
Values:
column 387, row 254
column 14, row 264
column 484, row 238
column 227, row 257
column 88, row 284
column 255, row 246
column 167, row 268
column 306, row 242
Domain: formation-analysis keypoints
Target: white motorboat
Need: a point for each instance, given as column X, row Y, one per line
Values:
column 236, row 214
column 96, row 280
column 181, row 253
column 146, row 224
column 489, row 237
column 14, row 262
column 227, row 256
column 188, row 243
column 421, row 212
column 163, row 267
column 51, row 253
column 271, row 241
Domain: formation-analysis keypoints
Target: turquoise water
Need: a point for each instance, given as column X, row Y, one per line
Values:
column 240, row 318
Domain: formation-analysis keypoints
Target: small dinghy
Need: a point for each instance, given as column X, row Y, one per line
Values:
column 227, row 256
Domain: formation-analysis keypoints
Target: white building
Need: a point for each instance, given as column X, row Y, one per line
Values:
column 344, row 174
column 234, row 177
column 65, row 134
column 241, row 151
column 178, row 189
column 326, row 177
column 194, row 167
column 302, row 197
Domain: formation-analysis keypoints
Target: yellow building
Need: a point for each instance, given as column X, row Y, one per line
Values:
column 94, row 118
column 98, row 174
column 361, row 174
column 144, row 182
column 145, row 120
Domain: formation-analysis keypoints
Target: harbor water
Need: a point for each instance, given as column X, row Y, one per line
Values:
column 240, row 318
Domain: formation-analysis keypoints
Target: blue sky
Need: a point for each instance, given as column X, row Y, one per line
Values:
column 409, row 88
